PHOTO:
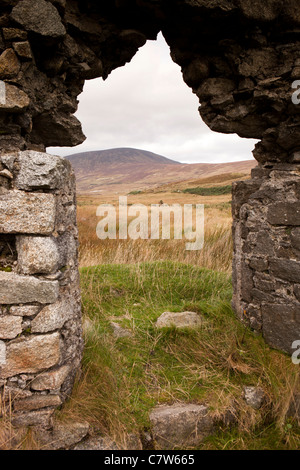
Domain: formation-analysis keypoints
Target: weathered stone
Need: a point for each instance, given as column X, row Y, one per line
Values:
column 120, row 332
column 36, row 402
column 16, row 100
column 295, row 238
column 281, row 325
column 179, row 320
column 9, row 64
column 11, row 393
column 10, row 327
column 8, row 161
column 15, row 289
column 97, row 443
column 131, row 442
column 254, row 314
column 247, row 284
column 42, row 418
column 39, row 17
column 213, row 87
column 264, row 282
column 241, row 191
column 23, row 49
column 37, row 255
column 32, row 213
column 65, row 130
column 261, row 296
column 258, row 264
column 196, row 71
column 263, row 244
column 285, row 269
column 24, row 311
column 31, row 355
column 52, row 317
column 11, row 34
column 180, row 425
column 62, row 435
column 297, row 291
column 51, row 380
column 41, row 171
column 254, row 396
column 283, row 213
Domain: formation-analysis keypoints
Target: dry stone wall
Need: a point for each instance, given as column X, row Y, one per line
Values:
column 241, row 58
column 40, row 312
column 266, row 265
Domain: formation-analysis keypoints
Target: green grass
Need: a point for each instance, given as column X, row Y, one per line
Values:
column 212, row 191
column 123, row 379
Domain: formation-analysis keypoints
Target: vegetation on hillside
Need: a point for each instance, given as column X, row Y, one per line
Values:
column 210, row 191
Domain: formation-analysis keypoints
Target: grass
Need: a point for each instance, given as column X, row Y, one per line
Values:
column 123, row 379
column 216, row 254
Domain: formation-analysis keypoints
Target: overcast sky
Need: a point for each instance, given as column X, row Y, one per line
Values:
column 146, row 105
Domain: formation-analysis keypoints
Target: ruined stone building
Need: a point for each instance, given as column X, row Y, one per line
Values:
column 242, row 59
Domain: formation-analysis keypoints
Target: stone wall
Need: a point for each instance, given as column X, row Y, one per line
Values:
column 40, row 308
column 266, row 265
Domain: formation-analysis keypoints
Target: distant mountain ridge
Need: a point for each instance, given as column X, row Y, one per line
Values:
column 124, row 155
column 123, row 169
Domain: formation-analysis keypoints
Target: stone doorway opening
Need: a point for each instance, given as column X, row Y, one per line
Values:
column 239, row 61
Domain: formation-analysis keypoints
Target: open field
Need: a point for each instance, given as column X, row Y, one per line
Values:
column 216, row 253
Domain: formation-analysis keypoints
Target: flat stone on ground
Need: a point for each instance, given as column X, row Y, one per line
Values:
column 179, row 320
column 62, row 436
column 180, row 425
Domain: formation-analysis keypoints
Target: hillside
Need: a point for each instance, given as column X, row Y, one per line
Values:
column 124, row 169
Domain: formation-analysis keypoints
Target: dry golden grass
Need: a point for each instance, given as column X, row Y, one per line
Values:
column 216, row 253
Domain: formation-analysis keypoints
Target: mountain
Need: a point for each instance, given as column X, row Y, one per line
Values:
column 125, row 169
column 95, row 160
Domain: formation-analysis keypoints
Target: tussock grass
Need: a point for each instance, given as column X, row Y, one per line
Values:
column 216, row 253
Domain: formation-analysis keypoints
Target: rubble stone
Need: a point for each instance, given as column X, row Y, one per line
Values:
column 15, row 289
column 31, row 355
